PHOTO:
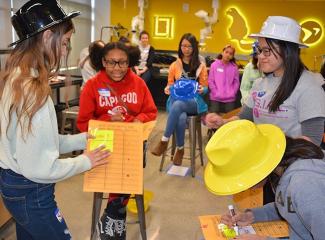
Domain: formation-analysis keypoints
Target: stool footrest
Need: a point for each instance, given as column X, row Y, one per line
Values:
column 195, row 136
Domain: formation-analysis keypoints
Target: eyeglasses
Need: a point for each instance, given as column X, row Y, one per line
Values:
column 266, row 51
column 112, row 63
column 186, row 46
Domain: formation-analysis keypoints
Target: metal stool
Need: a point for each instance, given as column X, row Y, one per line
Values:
column 71, row 115
column 97, row 204
column 194, row 127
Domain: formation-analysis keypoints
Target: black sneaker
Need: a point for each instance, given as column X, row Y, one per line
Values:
column 111, row 229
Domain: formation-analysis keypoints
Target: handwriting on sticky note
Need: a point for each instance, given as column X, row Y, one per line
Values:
column 246, row 230
column 102, row 137
column 274, row 229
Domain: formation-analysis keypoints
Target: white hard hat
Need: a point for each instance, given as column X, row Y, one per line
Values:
column 280, row 28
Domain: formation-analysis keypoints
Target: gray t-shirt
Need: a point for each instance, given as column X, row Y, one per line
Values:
column 305, row 102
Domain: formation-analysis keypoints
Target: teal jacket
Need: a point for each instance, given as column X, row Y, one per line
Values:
column 202, row 107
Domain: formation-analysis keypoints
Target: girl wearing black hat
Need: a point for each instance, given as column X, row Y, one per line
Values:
column 29, row 141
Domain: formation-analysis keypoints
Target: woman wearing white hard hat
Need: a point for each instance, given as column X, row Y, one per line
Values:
column 30, row 145
column 242, row 155
column 288, row 95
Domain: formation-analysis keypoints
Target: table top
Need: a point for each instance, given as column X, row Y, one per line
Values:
column 5, row 51
column 60, row 81
column 72, row 72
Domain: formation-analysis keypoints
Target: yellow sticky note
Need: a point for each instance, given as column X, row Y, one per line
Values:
column 229, row 233
column 102, row 137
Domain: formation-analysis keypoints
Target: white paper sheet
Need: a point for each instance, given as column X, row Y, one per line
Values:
column 178, row 170
column 246, row 230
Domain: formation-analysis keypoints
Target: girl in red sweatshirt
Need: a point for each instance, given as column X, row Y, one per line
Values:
column 115, row 94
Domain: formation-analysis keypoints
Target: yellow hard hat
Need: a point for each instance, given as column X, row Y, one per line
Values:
column 241, row 154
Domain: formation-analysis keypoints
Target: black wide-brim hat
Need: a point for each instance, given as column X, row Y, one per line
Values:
column 36, row 16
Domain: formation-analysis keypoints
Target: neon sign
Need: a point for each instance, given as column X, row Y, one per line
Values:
column 312, row 31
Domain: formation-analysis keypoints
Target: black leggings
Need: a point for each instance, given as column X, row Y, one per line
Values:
column 220, row 107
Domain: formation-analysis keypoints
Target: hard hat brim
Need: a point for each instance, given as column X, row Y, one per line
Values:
column 69, row 16
column 250, row 175
column 257, row 35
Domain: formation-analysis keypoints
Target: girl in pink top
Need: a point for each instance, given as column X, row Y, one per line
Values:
column 223, row 81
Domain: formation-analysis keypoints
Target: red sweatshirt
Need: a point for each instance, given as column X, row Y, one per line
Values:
column 98, row 100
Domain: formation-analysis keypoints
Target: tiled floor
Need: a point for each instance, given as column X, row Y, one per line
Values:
column 173, row 212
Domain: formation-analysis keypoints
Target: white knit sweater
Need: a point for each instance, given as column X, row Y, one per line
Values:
column 36, row 156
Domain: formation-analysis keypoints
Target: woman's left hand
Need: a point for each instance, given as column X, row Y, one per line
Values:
column 250, row 237
column 166, row 90
column 201, row 89
column 90, row 136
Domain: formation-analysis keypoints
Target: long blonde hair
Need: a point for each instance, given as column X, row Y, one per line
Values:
column 30, row 91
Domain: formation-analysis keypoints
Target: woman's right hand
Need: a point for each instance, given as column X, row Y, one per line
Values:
column 241, row 219
column 137, row 71
column 166, row 90
column 117, row 117
column 213, row 120
column 98, row 156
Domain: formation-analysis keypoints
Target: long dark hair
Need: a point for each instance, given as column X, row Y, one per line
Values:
column 300, row 148
column 322, row 69
column 195, row 61
column 293, row 68
column 296, row 148
column 255, row 61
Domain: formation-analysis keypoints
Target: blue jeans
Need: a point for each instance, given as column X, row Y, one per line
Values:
column 177, row 119
column 33, row 207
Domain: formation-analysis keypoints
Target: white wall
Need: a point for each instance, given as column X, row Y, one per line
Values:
column 81, row 1
column 82, row 36
column 5, row 24
column 82, row 23
column 5, row 29
column 102, row 12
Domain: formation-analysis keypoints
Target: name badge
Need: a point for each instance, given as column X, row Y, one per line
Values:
column 219, row 69
column 104, row 92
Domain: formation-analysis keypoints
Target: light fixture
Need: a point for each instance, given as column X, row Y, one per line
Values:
column 163, row 27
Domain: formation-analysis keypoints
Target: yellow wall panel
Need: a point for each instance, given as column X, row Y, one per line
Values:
column 237, row 18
